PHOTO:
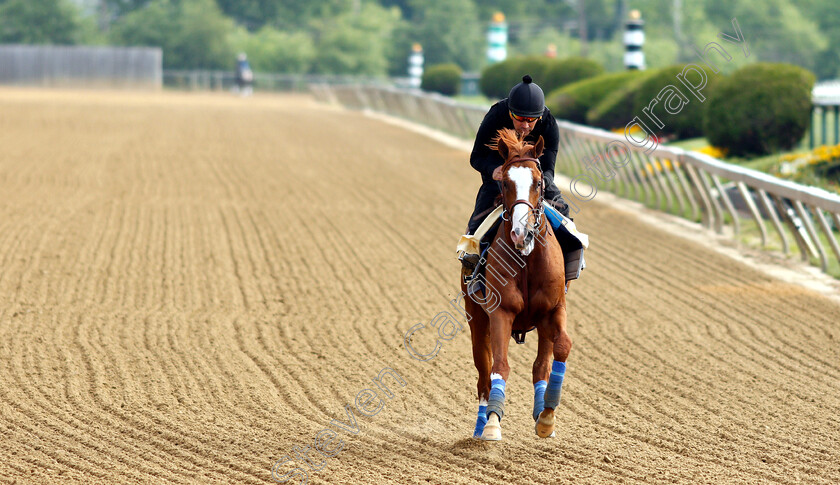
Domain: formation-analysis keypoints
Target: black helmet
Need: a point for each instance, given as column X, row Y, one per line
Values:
column 526, row 99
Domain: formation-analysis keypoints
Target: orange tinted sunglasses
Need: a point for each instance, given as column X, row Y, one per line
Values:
column 524, row 119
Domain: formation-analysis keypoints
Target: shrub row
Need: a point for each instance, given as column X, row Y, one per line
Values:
column 442, row 78
column 573, row 101
column 761, row 108
column 497, row 79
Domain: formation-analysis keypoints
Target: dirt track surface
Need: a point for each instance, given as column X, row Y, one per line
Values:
column 194, row 285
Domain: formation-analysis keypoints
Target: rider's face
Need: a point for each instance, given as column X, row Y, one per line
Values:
column 524, row 128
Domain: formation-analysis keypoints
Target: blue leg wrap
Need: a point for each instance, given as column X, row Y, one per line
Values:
column 496, row 403
column 555, row 384
column 539, row 398
column 480, row 421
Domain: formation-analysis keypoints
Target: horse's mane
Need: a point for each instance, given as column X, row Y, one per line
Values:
column 517, row 147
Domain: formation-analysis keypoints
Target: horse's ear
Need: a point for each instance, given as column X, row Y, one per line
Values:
column 538, row 147
column 504, row 150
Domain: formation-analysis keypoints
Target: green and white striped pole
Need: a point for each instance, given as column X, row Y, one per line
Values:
column 415, row 66
column 497, row 37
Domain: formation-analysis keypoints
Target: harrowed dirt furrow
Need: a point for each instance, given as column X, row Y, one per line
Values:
column 649, row 361
column 677, row 351
column 75, row 423
column 152, row 422
column 194, row 286
column 777, row 356
column 710, row 285
column 631, row 336
column 785, row 323
column 747, row 308
column 699, row 309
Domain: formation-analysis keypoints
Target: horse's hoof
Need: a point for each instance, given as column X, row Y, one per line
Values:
column 545, row 424
column 552, row 435
column 493, row 429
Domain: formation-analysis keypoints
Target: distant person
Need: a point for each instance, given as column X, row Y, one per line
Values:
column 244, row 76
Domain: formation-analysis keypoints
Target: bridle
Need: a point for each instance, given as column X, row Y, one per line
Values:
column 536, row 211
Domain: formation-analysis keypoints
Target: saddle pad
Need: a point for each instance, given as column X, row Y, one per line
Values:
column 470, row 243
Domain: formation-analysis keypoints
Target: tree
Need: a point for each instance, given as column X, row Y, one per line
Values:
column 827, row 15
column 151, row 26
column 193, row 33
column 41, row 22
column 517, row 10
column 114, row 9
column 253, row 14
column 202, row 37
column 270, row 50
column 283, row 15
column 775, row 30
column 356, row 42
column 449, row 31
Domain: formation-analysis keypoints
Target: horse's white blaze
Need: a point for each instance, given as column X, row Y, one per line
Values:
column 523, row 179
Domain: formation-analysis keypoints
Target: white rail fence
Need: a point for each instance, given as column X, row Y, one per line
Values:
column 725, row 197
column 81, row 66
column 219, row 80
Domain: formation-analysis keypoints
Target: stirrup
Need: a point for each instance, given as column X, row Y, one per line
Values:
column 469, row 263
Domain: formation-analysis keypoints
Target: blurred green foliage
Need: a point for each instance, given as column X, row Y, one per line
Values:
column 374, row 37
column 618, row 108
column 442, row 78
column 548, row 73
column 571, row 102
column 40, row 22
column 569, row 70
column 662, row 88
column 760, row 109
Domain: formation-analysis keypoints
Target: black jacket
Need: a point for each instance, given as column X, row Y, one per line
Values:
column 486, row 160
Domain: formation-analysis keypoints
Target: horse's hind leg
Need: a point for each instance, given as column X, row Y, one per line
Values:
column 561, row 346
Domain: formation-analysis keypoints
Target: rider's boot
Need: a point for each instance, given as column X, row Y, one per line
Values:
column 469, row 261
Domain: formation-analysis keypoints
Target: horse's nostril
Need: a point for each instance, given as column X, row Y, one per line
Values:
column 517, row 231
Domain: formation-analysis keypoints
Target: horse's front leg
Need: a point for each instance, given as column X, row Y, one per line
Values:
column 501, row 323
column 480, row 333
column 542, row 366
column 561, row 346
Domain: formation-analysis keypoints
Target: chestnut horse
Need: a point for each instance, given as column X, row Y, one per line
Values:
column 524, row 288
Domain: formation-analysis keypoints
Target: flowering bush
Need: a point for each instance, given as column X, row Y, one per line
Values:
column 820, row 166
column 713, row 152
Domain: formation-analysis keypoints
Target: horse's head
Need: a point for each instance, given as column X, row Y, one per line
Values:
column 522, row 188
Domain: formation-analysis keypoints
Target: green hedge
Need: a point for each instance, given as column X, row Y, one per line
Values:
column 618, row 108
column 535, row 66
column 567, row 71
column 549, row 74
column 497, row 79
column 571, row 102
column 688, row 122
column 760, row 109
column 442, row 78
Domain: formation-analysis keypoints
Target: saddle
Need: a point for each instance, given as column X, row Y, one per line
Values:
column 572, row 242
